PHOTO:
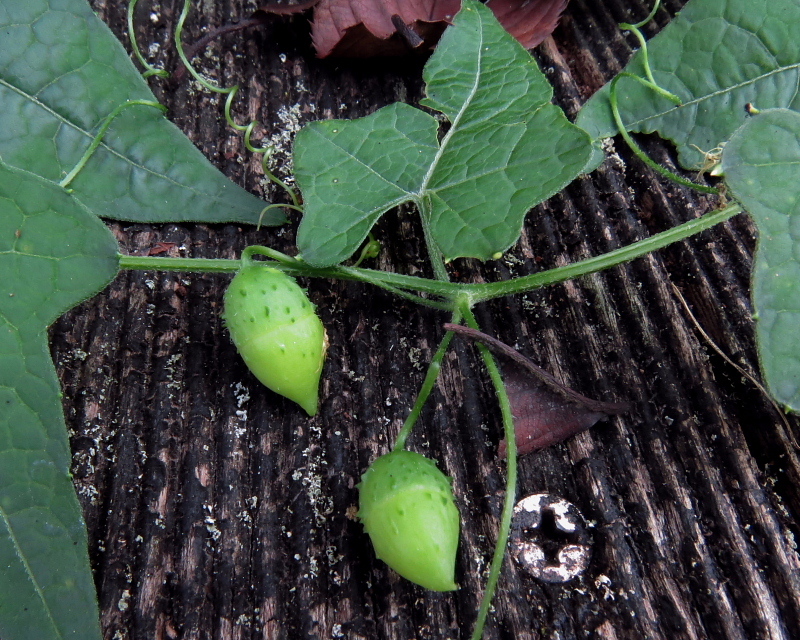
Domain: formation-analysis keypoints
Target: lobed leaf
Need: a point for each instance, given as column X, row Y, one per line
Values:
column 53, row 254
column 62, row 72
column 507, row 149
column 716, row 56
column 762, row 170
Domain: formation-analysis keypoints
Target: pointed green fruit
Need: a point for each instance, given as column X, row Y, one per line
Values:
column 277, row 332
column 407, row 507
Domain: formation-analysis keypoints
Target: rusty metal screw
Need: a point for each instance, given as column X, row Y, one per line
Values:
column 549, row 538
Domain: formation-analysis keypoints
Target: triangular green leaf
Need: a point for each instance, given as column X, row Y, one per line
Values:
column 61, row 73
column 717, row 56
column 53, row 254
column 762, row 170
column 507, row 149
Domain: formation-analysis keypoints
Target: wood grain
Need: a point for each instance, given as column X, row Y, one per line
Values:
column 217, row 510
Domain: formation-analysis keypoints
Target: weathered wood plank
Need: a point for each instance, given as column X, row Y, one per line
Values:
column 218, row 510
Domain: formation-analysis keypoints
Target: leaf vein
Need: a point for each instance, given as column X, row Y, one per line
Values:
column 37, row 587
column 362, row 164
column 454, row 123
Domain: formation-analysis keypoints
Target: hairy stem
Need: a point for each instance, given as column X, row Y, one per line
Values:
column 434, row 254
column 427, row 386
column 482, row 292
column 451, row 291
column 187, row 265
column 397, row 284
column 511, row 479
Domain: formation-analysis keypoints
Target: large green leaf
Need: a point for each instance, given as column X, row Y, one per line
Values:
column 507, row 149
column 717, row 56
column 762, row 169
column 53, row 254
column 61, row 73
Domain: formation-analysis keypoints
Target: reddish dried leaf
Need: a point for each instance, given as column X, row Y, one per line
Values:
column 362, row 28
column 542, row 417
column 545, row 411
column 366, row 28
column 529, row 21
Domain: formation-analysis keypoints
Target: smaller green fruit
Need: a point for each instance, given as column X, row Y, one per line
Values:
column 277, row 332
column 407, row 507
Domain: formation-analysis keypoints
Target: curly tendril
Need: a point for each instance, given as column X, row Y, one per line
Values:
column 210, row 86
column 649, row 82
column 150, row 70
column 231, row 92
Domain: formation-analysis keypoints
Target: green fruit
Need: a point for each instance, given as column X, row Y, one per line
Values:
column 277, row 332
column 407, row 507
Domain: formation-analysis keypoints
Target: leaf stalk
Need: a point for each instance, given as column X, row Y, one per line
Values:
column 434, row 253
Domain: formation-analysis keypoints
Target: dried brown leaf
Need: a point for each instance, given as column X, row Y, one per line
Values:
column 367, row 28
column 542, row 417
column 545, row 411
column 529, row 21
column 363, row 28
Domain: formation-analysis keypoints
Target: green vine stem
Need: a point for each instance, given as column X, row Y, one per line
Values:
column 481, row 292
column 649, row 17
column 371, row 249
column 183, row 265
column 434, row 253
column 276, row 180
column 635, row 30
column 451, row 291
column 277, row 205
column 231, row 93
column 67, row 180
column 297, row 268
column 150, row 70
column 646, row 61
column 431, row 375
column 268, row 252
column 511, row 478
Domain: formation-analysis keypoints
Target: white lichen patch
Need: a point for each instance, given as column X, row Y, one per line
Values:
column 243, row 620
column 311, row 479
column 88, row 492
column 211, row 527
column 289, row 120
column 172, row 367
column 603, row 584
column 123, row 602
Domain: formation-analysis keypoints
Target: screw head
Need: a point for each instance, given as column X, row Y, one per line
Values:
column 549, row 538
